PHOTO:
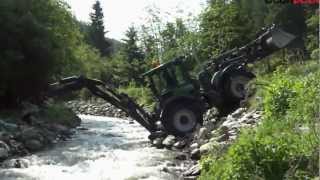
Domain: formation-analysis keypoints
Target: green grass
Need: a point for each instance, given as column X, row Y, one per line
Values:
column 286, row 144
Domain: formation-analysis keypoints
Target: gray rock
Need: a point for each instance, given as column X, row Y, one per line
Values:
column 34, row 145
column 195, row 154
column 223, row 137
column 238, row 113
column 170, row 164
column 194, row 146
column 181, row 156
column 204, row 149
column 29, row 108
column 190, row 178
column 16, row 163
column 224, row 129
column 157, row 143
column 193, row 171
column 29, row 133
column 165, row 169
column 180, row 144
column 4, row 150
column 60, row 129
column 203, row 133
column 158, row 134
column 211, row 114
column 8, row 126
column 169, row 141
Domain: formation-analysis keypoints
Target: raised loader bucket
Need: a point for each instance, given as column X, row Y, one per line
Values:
column 279, row 38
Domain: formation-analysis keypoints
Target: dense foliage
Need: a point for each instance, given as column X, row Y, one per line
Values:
column 41, row 42
column 285, row 145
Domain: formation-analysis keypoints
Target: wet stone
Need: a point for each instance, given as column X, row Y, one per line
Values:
column 4, row 150
column 179, row 144
column 193, row 171
column 195, row 154
column 157, row 143
column 33, row 145
column 194, row 146
column 181, row 157
column 169, row 141
column 203, row 133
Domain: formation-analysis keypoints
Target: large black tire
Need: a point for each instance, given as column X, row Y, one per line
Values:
column 235, row 86
column 234, row 91
column 181, row 119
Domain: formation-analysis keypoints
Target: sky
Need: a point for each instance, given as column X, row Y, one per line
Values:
column 120, row 14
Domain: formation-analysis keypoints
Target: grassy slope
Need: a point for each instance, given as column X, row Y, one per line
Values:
column 286, row 144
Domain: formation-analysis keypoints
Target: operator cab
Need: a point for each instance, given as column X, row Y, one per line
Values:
column 170, row 79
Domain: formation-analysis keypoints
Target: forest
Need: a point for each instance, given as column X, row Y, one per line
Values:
column 42, row 42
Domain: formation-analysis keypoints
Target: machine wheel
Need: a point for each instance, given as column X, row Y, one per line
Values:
column 181, row 119
column 235, row 86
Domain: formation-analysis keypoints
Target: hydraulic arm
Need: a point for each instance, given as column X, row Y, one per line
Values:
column 268, row 41
column 99, row 89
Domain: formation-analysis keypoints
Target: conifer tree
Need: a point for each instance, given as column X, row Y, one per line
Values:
column 97, row 30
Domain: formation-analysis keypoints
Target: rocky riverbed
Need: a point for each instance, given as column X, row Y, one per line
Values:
column 96, row 108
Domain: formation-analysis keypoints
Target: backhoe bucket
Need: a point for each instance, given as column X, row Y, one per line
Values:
column 280, row 38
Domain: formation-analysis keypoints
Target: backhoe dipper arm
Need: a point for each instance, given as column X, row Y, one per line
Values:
column 121, row 101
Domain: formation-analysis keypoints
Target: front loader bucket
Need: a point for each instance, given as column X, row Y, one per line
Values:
column 279, row 38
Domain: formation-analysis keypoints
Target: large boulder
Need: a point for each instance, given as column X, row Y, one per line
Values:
column 34, row 145
column 4, row 150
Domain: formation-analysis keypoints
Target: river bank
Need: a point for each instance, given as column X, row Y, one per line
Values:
column 33, row 128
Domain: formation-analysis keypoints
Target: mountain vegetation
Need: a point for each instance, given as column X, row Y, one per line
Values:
column 41, row 42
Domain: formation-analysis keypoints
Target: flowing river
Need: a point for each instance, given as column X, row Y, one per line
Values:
column 106, row 149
